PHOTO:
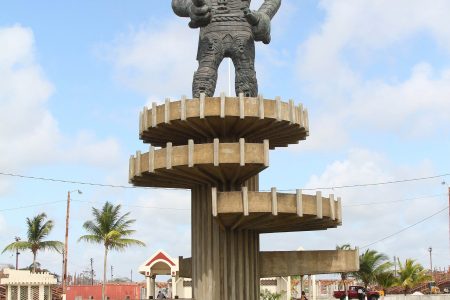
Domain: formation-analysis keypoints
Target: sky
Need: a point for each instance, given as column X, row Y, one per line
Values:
column 374, row 75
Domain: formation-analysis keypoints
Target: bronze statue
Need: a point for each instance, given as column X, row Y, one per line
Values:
column 228, row 28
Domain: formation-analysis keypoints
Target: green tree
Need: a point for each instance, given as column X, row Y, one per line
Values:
column 386, row 280
column 267, row 295
column 371, row 264
column 344, row 275
column 38, row 228
column 111, row 229
column 411, row 274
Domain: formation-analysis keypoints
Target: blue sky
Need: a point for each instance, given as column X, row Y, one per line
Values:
column 374, row 76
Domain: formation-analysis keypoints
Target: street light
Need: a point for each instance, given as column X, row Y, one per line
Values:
column 17, row 253
column 66, row 242
column 431, row 261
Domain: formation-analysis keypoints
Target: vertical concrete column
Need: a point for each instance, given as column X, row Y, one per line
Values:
column 152, row 286
column 147, row 280
column 8, row 292
column 225, row 261
column 174, row 286
column 41, row 292
column 314, row 287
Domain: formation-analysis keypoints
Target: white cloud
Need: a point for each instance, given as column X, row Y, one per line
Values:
column 29, row 133
column 155, row 59
column 414, row 106
column 365, row 224
column 159, row 60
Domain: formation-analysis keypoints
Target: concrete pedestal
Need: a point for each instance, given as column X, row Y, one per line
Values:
column 225, row 261
column 212, row 146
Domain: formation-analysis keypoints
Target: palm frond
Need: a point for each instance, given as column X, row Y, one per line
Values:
column 20, row 245
column 91, row 238
column 52, row 245
column 110, row 228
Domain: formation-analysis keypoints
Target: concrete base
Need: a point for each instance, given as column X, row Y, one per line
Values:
column 225, row 262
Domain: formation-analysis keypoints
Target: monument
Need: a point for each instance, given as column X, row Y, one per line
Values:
column 217, row 146
column 228, row 28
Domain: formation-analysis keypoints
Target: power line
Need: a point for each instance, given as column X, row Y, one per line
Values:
column 406, row 228
column 376, row 183
column 32, row 205
column 394, row 201
column 80, row 182
column 152, row 188
column 188, row 209
column 141, row 206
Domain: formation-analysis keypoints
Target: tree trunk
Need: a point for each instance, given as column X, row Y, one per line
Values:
column 104, row 274
column 34, row 262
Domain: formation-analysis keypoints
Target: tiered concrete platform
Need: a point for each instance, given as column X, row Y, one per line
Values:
column 216, row 147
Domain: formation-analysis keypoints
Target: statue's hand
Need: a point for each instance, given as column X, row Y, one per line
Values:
column 252, row 17
column 260, row 25
column 200, row 14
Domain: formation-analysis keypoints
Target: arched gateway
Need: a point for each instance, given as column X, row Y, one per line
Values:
column 161, row 263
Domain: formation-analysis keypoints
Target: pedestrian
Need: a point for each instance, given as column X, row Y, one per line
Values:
column 303, row 297
column 161, row 295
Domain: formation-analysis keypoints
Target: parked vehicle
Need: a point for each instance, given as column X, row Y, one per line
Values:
column 357, row 292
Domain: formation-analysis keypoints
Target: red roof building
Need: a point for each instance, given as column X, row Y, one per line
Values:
column 120, row 291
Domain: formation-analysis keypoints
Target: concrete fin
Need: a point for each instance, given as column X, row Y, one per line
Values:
column 202, row 105
column 319, row 205
column 299, row 200
column 222, row 105
column 261, row 106
column 154, row 123
column 245, row 200
column 241, row 106
column 183, row 108
column 190, row 153
column 169, row 156
column 242, row 151
column 274, row 201
column 332, row 207
column 167, row 111
column 151, row 159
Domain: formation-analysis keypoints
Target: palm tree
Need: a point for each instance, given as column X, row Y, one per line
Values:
column 344, row 276
column 38, row 229
column 371, row 264
column 386, row 280
column 411, row 274
column 110, row 229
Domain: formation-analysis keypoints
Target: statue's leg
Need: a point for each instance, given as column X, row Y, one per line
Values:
column 244, row 62
column 210, row 55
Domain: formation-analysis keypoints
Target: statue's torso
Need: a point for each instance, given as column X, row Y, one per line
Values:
column 228, row 16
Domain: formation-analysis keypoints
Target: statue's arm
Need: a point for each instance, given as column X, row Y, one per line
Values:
column 260, row 20
column 181, row 7
column 270, row 7
column 198, row 10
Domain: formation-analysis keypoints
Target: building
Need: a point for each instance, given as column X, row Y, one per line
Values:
column 121, row 291
column 22, row 284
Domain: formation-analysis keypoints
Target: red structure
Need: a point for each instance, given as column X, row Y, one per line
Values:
column 122, row 291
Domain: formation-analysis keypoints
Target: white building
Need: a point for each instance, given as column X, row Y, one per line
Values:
column 24, row 285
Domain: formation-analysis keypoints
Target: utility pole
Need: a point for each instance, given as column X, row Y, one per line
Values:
column 92, row 271
column 431, row 262
column 131, row 275
column 395, row 266
column 66, row 245
column 66, row 242
column 112, row 274
column 17, row 253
